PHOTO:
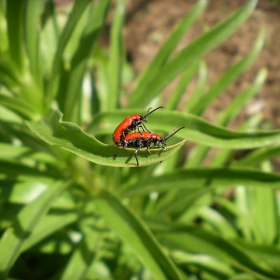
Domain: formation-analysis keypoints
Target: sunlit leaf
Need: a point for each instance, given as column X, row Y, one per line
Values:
column 72, row 138
column 135, row 233
column 14, row 237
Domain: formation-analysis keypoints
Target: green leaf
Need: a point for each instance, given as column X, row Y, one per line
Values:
column 198, row 153
column 224, row 156
column 27, row 87
column 77, row 11
column 49, row 225
column 257, row 156
column 116, row 56
column 13, row 169
column 258, row 220
column 196, row 156
column 71, row 96
column 9, row 69
column 204, row 177
column 195, row 240
column 135, row 233
column 229, row 76
column 198, row 93
column 32, row 32
column 217, row 221
column 24, row 191
column 176, row 203
column 196, row 129
column 72, row 138
column 20, row 106
column 234, row 108
column 268, row 253
column 49, row 37
column 83, row 256
column 13, row 238
column 15, row 10
column 263, row 209
column 207, row 263
column 194, row 51
column 9, row 151
column 166, row 50
column 28, row 188
column 3, row 25
column 175, row 97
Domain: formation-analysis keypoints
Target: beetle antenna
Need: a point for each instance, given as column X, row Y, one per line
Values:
column 150, row 112
column 173, row 132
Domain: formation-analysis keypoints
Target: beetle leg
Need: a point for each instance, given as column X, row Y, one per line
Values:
column 161, row 145
column 145, row 128
column 135, row 155
column 124, row 144
column 138, row 127
column 149, row 146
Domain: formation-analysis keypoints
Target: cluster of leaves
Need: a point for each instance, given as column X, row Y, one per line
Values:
column 62, row 197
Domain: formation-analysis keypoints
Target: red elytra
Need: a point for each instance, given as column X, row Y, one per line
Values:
column 142, row 135
column 140, row 140
column 130, row 124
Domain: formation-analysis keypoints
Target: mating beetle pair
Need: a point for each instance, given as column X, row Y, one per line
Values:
column 123, row 137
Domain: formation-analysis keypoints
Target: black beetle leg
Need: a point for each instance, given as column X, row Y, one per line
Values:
column 135, row 154
column 149, row 145
column 138, row 128
column 145, row 128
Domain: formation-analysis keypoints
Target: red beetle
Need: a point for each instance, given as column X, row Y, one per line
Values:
column 129, row 124
column 140, row 140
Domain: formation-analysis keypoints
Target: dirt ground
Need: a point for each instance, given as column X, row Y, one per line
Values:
column 149, row 22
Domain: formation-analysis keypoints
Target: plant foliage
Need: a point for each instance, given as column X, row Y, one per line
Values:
column 72, row 206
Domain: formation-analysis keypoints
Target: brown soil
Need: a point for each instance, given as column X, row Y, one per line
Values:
column 149, row 22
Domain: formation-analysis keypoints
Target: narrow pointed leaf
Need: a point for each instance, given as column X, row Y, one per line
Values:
column 175, row 97
column 135, row 233
column 194, row 51
column 14, row 237
column 71, row 96
column 9, row 151
column 201, row 177
column 196, row 129
column 257, row 156
column 199, row 241
column 167, row 49
column 77, row 11
column 32, row 33
column 20, row 106
column 48, row 226
column 229, row 76
column 198, row 93
column 234, row 108
column 116, row 56
column 83, row 256
column 71, row 137
column 15, row 10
